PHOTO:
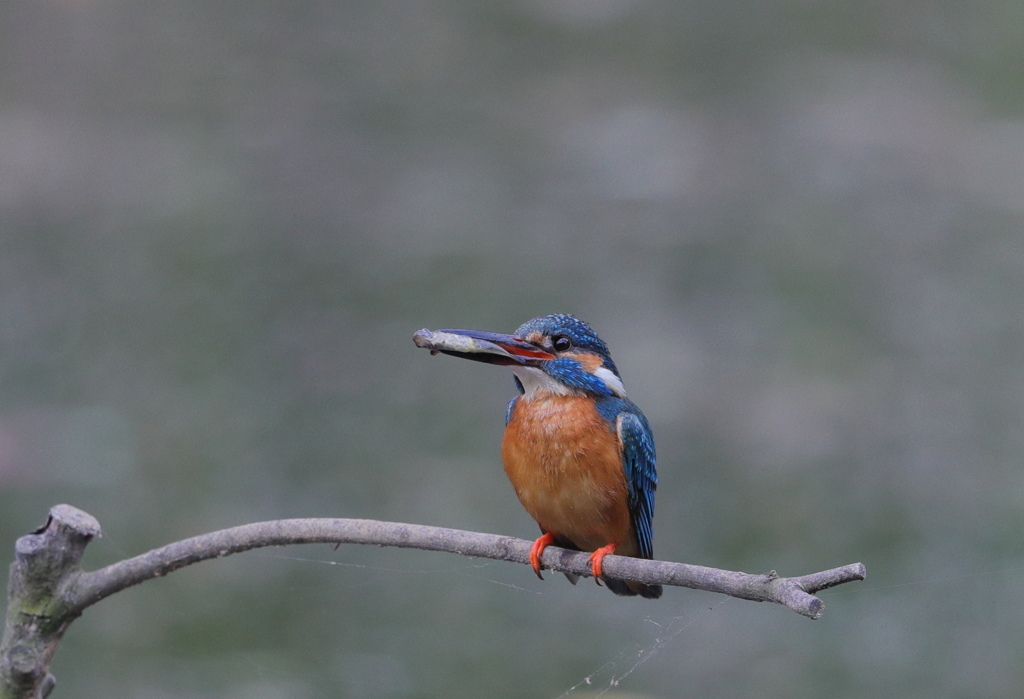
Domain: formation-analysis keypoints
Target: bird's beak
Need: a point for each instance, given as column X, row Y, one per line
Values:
column 493, row 348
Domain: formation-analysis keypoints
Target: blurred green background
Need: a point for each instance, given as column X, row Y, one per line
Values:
column 797, row 224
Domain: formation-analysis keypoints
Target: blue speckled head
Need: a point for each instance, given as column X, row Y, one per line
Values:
column 579, row 333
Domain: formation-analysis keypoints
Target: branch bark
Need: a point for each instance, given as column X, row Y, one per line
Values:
column 47, row 589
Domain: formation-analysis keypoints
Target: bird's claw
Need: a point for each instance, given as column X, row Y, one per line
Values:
column 537, row 550
column 597, row 557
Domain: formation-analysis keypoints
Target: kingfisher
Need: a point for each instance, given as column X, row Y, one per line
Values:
column 579, row 454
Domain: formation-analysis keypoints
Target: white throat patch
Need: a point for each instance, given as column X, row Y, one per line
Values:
column 536, row 381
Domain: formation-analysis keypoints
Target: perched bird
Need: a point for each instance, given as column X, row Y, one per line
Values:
column 579, row 454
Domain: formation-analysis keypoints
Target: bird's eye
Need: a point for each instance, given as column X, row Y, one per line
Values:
column 562, row 343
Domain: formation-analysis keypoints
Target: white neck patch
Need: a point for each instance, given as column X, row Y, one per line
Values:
column 613, row 382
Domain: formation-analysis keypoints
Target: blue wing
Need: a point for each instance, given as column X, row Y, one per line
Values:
column 512, row 403
column 508, row 410
column 641, row 476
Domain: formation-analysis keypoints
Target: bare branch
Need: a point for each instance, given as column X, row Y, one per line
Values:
column 795, row 593
column 47, row 589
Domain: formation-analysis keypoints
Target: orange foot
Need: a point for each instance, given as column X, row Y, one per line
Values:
column 597, row 557
column 537, row 549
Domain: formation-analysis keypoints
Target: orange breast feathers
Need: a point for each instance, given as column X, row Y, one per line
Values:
column 566, row 467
